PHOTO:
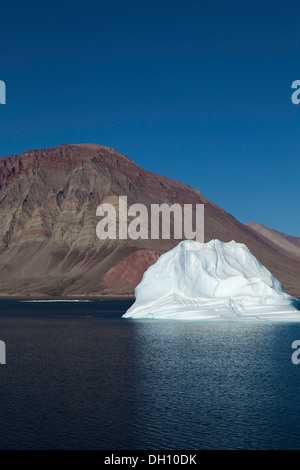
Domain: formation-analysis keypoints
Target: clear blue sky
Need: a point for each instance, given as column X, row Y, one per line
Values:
column 198, row 91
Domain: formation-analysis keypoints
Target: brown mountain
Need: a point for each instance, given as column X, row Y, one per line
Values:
column 48, row 242
column 288, row 243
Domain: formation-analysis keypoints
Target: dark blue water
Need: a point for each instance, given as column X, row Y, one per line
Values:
column 78, row 376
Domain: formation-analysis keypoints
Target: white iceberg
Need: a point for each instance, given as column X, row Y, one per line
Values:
column 211, row 281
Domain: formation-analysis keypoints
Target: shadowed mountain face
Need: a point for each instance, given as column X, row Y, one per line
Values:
column 48, row 242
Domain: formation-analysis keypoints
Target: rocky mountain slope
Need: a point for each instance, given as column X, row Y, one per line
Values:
column 288, row 243
column 48, row 242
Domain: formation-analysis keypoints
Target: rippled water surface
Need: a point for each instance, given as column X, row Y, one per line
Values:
column 78, row 376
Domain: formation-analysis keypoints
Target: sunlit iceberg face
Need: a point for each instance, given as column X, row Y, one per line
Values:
column 211, row 281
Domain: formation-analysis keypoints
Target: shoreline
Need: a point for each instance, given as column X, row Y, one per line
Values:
column 74, row 297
